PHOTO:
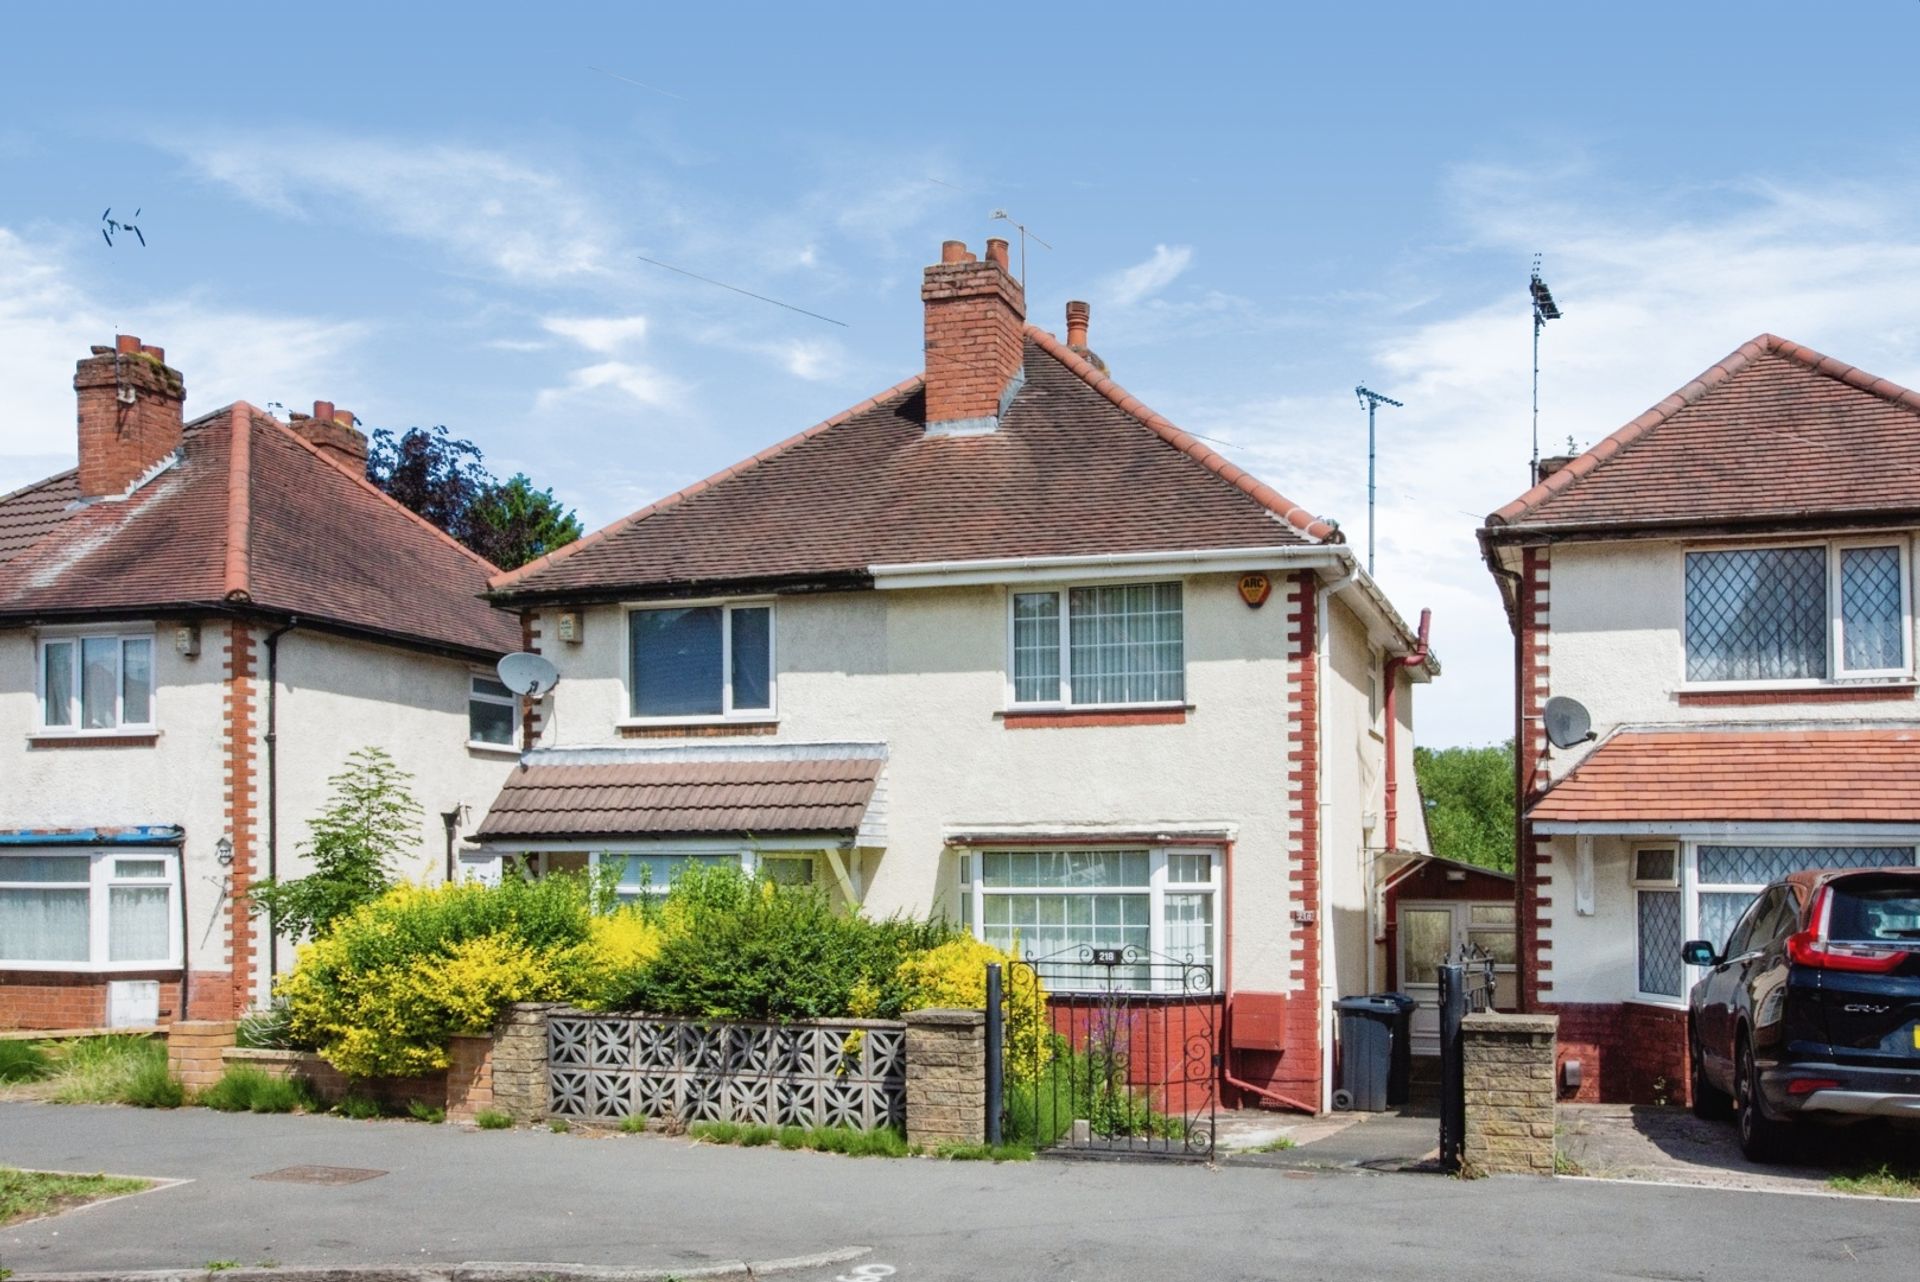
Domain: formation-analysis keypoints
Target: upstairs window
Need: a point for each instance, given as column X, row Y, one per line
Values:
column 492, row 710
column 1797, row 613
column 96, row 683
column 1099, row 646
column 696, row 663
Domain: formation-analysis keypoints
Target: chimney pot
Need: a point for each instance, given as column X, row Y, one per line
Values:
column 954, row 251
column 157, row 353
column 997, row 252
column 125, row 344
column 343, row 417
column 1077, row 316
column 323, row 410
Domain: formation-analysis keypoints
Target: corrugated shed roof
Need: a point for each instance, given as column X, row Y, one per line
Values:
column 1077, row 466
column 775, row 794
column 1775, row 432
column 1772, row 776
column 276, row 525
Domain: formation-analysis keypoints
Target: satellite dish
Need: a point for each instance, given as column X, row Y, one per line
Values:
column 1568, row 722
column 529, row 674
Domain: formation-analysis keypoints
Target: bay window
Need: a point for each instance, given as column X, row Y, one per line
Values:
column 1099, row 646
column 96, row 683
column 63, row 909
column 1156, row 907
column 700, row 662
column 1812, row 613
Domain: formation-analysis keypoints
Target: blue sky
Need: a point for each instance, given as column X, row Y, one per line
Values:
column 438, row 217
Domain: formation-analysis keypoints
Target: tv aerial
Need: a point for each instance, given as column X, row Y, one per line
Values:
column 1568, row 722
column 528, row 675
column 110, row 225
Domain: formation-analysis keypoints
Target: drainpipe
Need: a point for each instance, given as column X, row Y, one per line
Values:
column 451, row 819
column 273, row 781
column 1391, row 675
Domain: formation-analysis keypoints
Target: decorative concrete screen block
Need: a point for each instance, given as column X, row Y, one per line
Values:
column 1510, row 1093
column 946, row 1076
column 846, row 1072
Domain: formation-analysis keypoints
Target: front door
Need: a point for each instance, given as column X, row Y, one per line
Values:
column 1427, row 933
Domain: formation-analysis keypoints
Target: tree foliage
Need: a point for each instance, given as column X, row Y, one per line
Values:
column 444, row 478
column 370, row 823
column 1469, row 799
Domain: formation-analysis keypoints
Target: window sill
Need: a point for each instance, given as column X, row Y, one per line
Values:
column 161, row 968
column 92, row 738
column 1057, row 718
column 492, row 749
column 1736, row 694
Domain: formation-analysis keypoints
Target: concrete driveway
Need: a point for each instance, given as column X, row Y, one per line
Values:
column 444, row 1195
column 1620, row 1141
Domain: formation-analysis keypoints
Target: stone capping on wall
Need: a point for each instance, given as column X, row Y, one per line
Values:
column 1510, row 1093
column 836, row 1072
column 946, row 1076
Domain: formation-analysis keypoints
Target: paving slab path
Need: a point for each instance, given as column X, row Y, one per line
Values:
column 447, row 1195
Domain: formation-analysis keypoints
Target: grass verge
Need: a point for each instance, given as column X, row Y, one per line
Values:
column 23, row 1062
column 114, row 1069
column 885, row 1142
column 1885, row 1182
column 25, row 1194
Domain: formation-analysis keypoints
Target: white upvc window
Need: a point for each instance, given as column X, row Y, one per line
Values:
column 689, row 663
column 1104, row 645
column 67, row 909
column 95, row 683
column 1154, row 911
column 1799, row 614
column 492, row 713
column 648, row 873
column 1698, row 890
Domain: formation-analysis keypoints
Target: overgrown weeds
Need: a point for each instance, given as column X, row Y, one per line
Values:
column 1886, row 1181
column 246, row 1089
column 492, row 1119
column 886, row 1141
column 115, row 1069
column 23, row 1062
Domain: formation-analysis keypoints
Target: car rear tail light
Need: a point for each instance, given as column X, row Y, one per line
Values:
column 1808, row 1085
column 1808, row 948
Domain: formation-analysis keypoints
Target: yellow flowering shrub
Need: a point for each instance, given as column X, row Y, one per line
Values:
column 954, row 974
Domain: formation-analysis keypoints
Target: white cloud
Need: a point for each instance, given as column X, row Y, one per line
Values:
column 49, row 317
column 1654, row 291
column 481, row 207
column 1145, row 279
column 605, row 334
column 640, row 383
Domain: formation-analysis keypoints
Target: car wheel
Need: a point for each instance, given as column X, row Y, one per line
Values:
column 1762, row 1139
column 1709, row 1101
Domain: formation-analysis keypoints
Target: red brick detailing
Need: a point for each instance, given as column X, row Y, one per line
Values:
column 49, row 999
column 1297, row 1071
column 121, row 440
column 1534, row 674
column 699, row 732
column 93, row 741
column 239, row 782
column 1629, row 1052
column 1103, row 717
column 529, row 708
column 469, row 1077
column 1764, row 698
column 975, row 319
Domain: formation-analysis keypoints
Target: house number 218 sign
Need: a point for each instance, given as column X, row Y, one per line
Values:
column 1255, row 589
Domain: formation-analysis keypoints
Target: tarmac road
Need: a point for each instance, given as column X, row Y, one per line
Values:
column 449, row 1194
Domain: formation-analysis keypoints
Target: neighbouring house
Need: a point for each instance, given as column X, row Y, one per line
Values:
column 1004, row 644
column 1725, row 585
column 198, row 624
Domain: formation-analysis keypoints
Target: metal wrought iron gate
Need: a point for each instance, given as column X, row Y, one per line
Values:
column 1466, row 988
column 1125, row 1062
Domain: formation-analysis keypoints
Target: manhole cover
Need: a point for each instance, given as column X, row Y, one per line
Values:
column 321, row 1174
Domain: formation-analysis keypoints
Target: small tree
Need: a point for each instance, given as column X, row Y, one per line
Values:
column 1469, row 800
column 370, row 823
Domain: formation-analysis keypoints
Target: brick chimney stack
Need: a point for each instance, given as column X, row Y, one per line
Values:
column 129, row 413
column 332, row 432
column 976, row 313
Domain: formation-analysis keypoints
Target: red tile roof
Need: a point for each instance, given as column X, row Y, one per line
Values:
column 680, row 797
column 1773, row 433
column 1852, row 776
column 249, row 515
column 1076, row 466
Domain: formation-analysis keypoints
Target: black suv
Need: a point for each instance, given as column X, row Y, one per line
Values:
column 1813, row 1009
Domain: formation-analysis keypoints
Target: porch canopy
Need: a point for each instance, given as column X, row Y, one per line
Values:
column 1642, row 778
column 563, row 794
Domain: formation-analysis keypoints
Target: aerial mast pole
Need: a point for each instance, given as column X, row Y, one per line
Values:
column 1372, row 400
column 1544, row 310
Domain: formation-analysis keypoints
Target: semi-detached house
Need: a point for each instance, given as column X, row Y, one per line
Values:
column 1726, row 585
column 198, row 624
column 1001, row 643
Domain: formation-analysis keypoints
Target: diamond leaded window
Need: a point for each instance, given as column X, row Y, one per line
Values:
column 1795, row 613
